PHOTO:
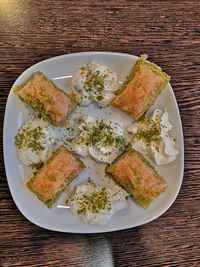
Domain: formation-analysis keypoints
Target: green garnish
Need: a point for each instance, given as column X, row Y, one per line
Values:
column 94, row 202
column 149, row 131
column 102, row 134
column 52, row 178
column 39, row 107
column 94, row 81
column 30, row 138
column 100, row 97
column 50, row 100
column 120, row 142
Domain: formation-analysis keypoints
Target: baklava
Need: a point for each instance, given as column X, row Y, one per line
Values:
column 54, row 176
column 144, row 84
column 50, row 102
column 137, row 176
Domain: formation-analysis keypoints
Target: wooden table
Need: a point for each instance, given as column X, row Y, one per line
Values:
column 169, row 32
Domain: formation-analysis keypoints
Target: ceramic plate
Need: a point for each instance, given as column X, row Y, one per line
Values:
column 60, row 70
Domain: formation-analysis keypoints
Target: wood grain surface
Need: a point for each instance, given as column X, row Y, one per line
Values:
column 169, row 32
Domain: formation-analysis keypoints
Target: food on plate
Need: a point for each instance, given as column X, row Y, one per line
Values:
column 43, row 144
column 151, row 137
column 96, row 204
column 36, row 139
column 94, row 82
column 136, row 175
column 50, row 102
column 141, row 88
column 101, row 139
column 51, row 180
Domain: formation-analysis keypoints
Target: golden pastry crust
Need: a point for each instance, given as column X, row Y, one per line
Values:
column 51, row 103
column 51, row 180
column 138, row 93
column 136, row 175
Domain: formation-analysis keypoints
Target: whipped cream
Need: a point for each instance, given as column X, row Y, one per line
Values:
column 152, row 138
column 101, row 139
column 36, row 140
column 96, row 204
column 94, row 82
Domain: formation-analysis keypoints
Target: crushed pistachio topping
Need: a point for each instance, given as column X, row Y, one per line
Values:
column 30, row 138
column 149, row 131
column 95, row 201
column 102, row 134
column 39, row 107
column 52, row 178
column 94, row 82
column 50, row 100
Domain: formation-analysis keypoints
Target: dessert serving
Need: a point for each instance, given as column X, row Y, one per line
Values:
column 50, row 102
column 96, row 204
column 53, row 177
column 100, row 139
column 97, row 152
column 37, row 139
column 94, row 82
column 137, row 176
column 152, row 137
column 139, row 91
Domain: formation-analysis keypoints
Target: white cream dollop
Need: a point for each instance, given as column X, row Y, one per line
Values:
column 96, row 204
column 94, row 82
column 152, row 138
column 36, row 140
column 100, row 139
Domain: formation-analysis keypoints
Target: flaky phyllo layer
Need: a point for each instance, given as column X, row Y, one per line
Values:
column 144, row 83
column 137, row 176
column 52, row 179
column 50, row 102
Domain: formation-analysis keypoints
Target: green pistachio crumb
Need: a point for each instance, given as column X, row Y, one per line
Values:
column 52, row 178
column 30, row 138
column 50, row 100
column 152, row 133
column 94, row 202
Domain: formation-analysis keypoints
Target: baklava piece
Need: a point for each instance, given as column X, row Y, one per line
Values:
column 136, row 175
column 52, row 179
column 50, row 102
column 141, row 88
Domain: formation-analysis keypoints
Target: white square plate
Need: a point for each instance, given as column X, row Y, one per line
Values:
column 60, row 70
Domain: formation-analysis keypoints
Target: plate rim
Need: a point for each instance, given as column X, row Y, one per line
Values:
column 5, row 156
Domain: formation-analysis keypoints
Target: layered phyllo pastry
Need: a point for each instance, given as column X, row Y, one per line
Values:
column 144, row 83
column 52, row 179
column 137, row 176
column 50, row 102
